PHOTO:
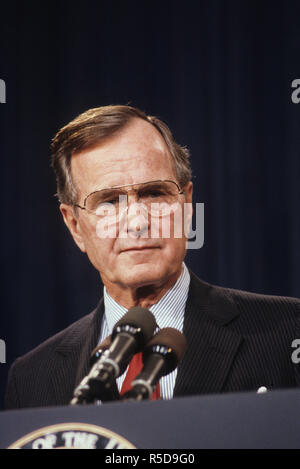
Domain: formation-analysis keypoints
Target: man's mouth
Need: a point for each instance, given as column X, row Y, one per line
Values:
column 139, row 248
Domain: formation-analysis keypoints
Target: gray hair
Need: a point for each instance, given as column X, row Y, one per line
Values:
column 89, row 128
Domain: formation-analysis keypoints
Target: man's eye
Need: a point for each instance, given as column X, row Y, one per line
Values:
column 154, row 193
column 109, row 202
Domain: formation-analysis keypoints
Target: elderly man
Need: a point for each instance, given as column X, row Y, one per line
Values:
column 107, row 161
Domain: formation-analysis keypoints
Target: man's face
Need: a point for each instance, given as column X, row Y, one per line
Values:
column 134, row 155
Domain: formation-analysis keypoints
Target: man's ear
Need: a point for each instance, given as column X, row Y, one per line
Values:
column 188, row 192
column 72, row 221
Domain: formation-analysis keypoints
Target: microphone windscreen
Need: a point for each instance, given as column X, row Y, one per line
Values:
column 140, row 318
column 171, row 338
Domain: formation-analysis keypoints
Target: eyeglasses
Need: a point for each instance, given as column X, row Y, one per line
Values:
column 154, row 195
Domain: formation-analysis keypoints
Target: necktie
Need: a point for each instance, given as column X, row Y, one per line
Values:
column 135, row 367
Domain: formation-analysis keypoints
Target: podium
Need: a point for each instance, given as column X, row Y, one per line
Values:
column 242, row 420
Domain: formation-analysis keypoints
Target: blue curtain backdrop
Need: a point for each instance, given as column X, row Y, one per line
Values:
column 218, row 72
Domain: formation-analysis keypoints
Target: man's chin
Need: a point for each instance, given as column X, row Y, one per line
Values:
column 141, row 275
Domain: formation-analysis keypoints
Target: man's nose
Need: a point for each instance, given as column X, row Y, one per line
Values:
column 137, row 217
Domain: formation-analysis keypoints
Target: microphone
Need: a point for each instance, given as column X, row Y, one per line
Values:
column 160, row 357
column 129, row 336
column 99, row 350
column 84, row 392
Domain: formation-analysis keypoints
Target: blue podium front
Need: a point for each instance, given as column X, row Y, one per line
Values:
column 246, row 420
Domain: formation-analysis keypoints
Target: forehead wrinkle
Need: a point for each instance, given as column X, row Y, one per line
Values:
column 116, row 176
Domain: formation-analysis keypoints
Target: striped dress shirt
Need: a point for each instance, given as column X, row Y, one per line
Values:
column 168, row 312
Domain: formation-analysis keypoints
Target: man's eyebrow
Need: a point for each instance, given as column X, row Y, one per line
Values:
column 110, row 188
column 121, row 187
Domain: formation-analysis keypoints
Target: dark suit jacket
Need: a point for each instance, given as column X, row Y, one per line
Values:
column 237, row 341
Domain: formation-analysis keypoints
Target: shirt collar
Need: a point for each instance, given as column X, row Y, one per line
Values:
column 168, row 311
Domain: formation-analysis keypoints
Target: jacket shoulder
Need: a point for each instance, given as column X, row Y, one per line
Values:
column 234, row 302
column 29, row 374
column 71, row 334
column 254, row 301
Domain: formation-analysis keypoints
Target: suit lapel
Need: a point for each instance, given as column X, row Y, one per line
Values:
column 212, row 346
column 73, row 354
